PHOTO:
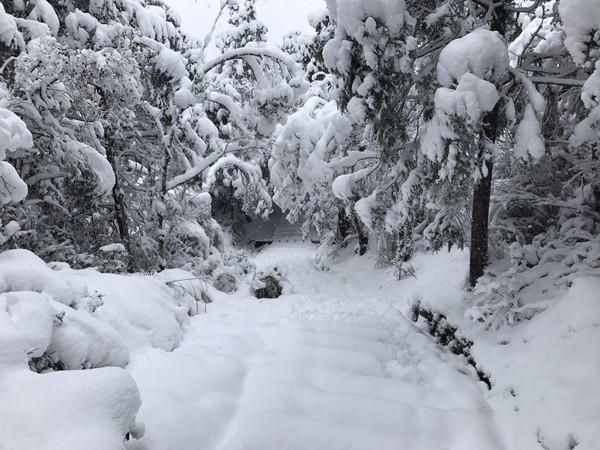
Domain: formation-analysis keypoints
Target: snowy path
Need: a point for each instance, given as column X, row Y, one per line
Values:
column 333, row 366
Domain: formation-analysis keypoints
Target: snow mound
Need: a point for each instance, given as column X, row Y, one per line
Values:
column 21, row 270
column 56, row 410
column 92, row 409
column 482, row 53
column 54, row 321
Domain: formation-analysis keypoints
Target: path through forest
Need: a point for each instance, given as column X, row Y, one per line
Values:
column 334, row 365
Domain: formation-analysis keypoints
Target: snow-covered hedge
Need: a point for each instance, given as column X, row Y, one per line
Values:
column 55, row 320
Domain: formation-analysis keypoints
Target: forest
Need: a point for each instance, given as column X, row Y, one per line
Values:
column 463, row 131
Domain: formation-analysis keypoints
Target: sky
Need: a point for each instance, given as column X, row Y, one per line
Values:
column 280, row 16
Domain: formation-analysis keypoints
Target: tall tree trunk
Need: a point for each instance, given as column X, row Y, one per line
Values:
column 483, row 189
column 120, row 207
column 162, row 219
column 479, row 225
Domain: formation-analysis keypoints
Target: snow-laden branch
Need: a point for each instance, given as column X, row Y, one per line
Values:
column 351, row 160
column 343, row 186
column 227, row 102
column 194, row 171
column 557, row 81
column 211, row 32
column 536, row 99
column 270, row 53
column 252, row 171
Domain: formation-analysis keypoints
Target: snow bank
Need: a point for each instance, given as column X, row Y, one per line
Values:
column 114, row 311
column 21, row 270
column 546, row 373
column 543, row 370
column 56, row 320
column 92, row 409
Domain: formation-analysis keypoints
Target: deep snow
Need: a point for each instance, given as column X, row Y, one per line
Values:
column 332, row 364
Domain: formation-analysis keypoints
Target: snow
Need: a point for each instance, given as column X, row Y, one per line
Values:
column 14, row 135
column 20, row 270
column 44, row 12
column 543, row 370
column 55, row 410
column 529, row 141
column 550, row 375
column 83, row 341
column 581, row 18
column 332, row 363
column 354, row 15
column 9, row 33
column 12, row 188
column 482, row 53
column 73, row 409
column 590, row 94
column 536, row 99
column 99, row 165
column 112, row 248
column 343, row 185
column 171, row 63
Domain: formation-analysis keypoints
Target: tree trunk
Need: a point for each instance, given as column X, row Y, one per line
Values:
column 479, row 226
column 483, row 189
column 120, row 208
column 162, row 219
column 344, row 226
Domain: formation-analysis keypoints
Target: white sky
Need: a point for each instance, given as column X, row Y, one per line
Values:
column 280, row 16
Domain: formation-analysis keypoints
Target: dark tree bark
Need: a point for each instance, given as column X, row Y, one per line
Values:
column 483, row 189
column 120, row 207
column 479, row 226
column 162, row 220
column 344, row 226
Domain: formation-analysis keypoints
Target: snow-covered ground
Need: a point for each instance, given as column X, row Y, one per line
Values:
column 331, row 364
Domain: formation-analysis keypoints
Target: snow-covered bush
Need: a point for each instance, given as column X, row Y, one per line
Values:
column 537, row 274
column 271, row 282
column 101, row 402
column 230, row 269
column 88, row 319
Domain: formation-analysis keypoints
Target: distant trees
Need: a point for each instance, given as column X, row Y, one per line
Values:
column 419, row 123
column 467, row 112
column 128, row 144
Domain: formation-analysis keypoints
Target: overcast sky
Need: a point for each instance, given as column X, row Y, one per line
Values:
column 280, row 16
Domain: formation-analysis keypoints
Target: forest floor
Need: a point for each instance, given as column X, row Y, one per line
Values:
column 333, row 365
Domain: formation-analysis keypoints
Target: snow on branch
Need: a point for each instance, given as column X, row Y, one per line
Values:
column 252, row 171
column 270, row 53
column 351, row 160
column 343, row 186
column 194, row 171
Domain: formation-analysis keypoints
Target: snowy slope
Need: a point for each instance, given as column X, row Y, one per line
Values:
column 333, row 366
